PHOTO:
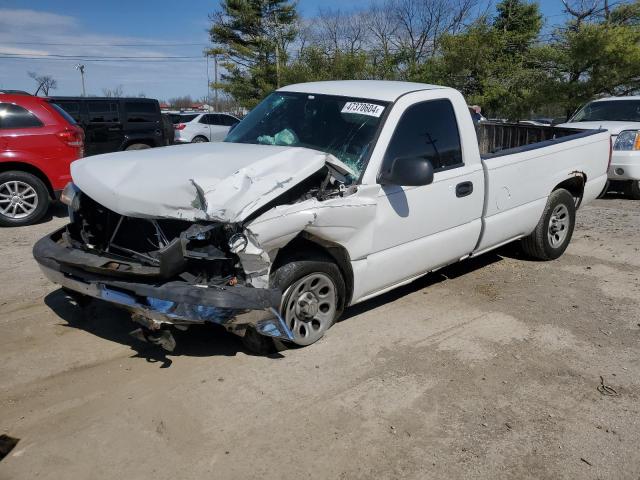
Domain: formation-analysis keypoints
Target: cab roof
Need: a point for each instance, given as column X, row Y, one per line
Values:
column 388, row 91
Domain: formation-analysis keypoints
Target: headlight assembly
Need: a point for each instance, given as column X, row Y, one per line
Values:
column 237, row 243
column 71, row 196
column 627, row 140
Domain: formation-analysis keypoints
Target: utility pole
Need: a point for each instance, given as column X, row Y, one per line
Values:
column 208, row 83
column 81, row 68
column 215, row 82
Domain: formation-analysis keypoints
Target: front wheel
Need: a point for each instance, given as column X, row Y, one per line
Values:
column 24, row 199
column 554, row 230
column 313, row 299
column 634, row 189
column 137, row 146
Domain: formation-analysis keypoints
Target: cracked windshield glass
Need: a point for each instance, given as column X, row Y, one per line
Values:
column 342, row 126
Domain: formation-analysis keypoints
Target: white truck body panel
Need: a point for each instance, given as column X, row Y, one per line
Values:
column 391, row 234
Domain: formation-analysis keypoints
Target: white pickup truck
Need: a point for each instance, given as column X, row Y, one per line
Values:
column 325, row 195
column 621, row 117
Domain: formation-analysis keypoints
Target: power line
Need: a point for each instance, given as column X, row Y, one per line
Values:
column 89, row 59
column 108, row 44
column 137, row 57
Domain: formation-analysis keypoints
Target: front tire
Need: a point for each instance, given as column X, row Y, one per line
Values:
column 24, row 199
column 633, row 189
column 137, row 146
column 313, row 299
column 554, row 230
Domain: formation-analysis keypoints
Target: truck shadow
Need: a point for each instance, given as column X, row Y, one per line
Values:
column 447, row 273
column 112, row 324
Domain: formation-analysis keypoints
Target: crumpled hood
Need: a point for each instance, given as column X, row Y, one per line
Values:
column 203, row 181
column 614, row 127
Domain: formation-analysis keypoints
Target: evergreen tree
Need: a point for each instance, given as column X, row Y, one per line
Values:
column 251, row 37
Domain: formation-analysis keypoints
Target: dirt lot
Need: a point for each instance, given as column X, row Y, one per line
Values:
column 488, row 369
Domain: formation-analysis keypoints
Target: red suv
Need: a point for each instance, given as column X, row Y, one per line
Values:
column 38, row 142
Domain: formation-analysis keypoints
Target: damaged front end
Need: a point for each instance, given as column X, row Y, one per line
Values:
column 165, row 272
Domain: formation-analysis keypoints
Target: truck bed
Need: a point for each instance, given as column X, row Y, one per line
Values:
column 497, row 138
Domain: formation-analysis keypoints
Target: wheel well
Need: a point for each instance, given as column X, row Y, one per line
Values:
column 25, row 167
column 574, row 185
column 304, row 244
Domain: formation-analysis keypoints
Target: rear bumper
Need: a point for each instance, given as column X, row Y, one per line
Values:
column 155, row 305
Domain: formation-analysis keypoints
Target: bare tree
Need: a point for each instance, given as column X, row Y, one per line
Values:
column 422, row 23
column 45, row 83
column 180, row 103
column 118, row 91
column 585, row 10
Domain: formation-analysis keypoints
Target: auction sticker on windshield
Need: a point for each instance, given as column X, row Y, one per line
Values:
column 370, row 109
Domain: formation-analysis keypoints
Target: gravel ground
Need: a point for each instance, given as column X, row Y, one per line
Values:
column 487, row 369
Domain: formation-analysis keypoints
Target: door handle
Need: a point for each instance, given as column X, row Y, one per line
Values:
column 463, row 189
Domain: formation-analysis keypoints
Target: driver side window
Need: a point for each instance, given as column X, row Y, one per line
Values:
column 427, row 130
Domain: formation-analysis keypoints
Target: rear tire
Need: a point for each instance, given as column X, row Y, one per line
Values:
column 633, row 189
column 137, row 146
column 24, row 199
column 604, row 190
column 554, row 230
column 199, row 139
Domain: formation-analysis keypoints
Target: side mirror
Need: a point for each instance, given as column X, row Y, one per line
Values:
column 407, row 172
column 559, row 120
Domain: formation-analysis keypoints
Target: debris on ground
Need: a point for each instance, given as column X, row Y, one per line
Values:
column 605, row 389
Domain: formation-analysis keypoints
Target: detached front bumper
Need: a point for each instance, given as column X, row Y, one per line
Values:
column 155, row 305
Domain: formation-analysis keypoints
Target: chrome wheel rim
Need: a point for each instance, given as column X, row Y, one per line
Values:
column 558, row 226
column 199, row 140
column 17, row 199
column 310, row 307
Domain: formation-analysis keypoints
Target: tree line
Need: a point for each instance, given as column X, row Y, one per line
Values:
column 505, row 59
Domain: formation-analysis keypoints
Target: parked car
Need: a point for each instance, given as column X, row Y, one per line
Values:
column 325, row 195
column 115, row 124
column 621, row 116
column 15, row 92
column 38, row 142
column 204, row 127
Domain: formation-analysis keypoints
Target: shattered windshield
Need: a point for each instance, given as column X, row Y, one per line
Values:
column 344, row 127
column 613, row 110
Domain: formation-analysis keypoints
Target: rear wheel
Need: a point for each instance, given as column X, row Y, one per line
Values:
column 605, row 189
column 633, row 189
column 24, row 199
column 554, row 230
column 199, row 139
column 137, row 146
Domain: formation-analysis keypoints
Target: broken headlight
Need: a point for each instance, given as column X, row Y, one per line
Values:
column 237, row 243
column 71, row 196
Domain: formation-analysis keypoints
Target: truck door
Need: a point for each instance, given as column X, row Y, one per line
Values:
column 103, row 129
column 422, row 228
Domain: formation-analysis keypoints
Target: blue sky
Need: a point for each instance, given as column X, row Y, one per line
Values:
column 83, row 27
